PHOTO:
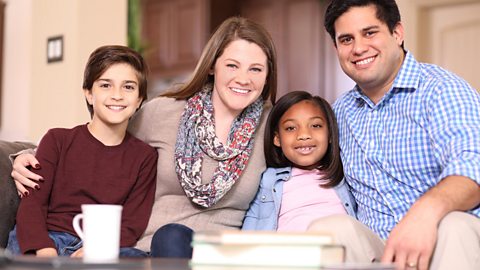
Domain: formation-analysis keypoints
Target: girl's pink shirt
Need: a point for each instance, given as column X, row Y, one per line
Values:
column 304, row 201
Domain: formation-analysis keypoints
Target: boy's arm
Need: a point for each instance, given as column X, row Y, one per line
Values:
column 138, row 206
column 32, row 232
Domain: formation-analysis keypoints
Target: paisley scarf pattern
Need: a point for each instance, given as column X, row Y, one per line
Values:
column 196, row 137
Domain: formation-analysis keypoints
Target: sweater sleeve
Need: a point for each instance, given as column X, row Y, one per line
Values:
column 138, row 206
column 32, row 232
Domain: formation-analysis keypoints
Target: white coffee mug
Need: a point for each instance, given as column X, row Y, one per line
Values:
column 101, row 232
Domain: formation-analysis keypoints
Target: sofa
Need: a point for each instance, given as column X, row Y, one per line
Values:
column 8, row 195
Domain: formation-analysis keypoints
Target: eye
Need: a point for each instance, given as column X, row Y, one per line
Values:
column 130, row 87
column 345, row 40
column 289, row 128
column 370, row 33
column 104, row 85
column 232, row 66
column 317, row 125
column 256, row 69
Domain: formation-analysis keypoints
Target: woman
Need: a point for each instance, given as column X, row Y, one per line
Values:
column 208, row 135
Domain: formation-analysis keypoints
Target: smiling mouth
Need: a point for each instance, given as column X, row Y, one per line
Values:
column 240, row 91
column 116, row 107
column 305, row 149
column 364, row 61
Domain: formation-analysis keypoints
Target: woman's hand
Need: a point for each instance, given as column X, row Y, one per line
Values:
column 47, row 252
column 78, row 253
column 23, row 176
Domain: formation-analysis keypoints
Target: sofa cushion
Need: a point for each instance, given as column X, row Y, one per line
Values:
column 8, row 194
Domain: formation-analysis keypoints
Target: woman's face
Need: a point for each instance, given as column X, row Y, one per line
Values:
column 240, row 74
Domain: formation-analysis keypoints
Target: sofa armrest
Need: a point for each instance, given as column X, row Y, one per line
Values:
column 8, row 193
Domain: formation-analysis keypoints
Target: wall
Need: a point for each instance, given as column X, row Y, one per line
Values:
column 37, row 95
column 444, row 32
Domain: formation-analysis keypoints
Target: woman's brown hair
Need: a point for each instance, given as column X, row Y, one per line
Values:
column 230, row 30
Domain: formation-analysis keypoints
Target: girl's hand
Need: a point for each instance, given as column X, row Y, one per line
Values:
column 22, row 175
column 78, row 253
column 47, row 252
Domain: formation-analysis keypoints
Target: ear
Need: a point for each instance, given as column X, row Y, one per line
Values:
column 88, row 96
column 276, row 140
column 398, row 33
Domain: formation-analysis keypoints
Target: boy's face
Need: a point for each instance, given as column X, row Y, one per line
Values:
column 367, row 51
column 114, row 96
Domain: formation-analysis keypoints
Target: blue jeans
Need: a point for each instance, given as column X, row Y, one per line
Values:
column 66, row 244
column 172, row 241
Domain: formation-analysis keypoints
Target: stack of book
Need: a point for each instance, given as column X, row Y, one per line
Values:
column 265, row 249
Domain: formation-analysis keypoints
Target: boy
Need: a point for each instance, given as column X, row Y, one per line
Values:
column 95, row 163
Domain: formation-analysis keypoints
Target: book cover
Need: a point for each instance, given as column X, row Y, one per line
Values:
column 261, row 237
column 266, row 249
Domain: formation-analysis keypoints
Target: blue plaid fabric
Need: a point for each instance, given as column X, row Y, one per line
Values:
column 424, row 129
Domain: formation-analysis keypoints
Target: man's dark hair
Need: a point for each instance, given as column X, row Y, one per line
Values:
column 387, row 12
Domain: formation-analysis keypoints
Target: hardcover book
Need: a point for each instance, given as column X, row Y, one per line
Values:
column 261, row 248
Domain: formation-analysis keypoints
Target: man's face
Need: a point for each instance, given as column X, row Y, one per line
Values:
column 367, row 51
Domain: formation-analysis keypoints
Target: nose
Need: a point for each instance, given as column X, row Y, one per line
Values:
column 360, row 46
column 117, row 93
column 304, row 134
column 242, row 77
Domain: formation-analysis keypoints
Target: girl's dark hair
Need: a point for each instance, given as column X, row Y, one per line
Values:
column 331, row 164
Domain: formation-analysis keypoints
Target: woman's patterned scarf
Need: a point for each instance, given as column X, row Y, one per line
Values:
column 196, row 137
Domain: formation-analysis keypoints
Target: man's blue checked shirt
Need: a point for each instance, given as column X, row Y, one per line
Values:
column 424, row 129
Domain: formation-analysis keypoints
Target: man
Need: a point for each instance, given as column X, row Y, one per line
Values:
column 410, row 142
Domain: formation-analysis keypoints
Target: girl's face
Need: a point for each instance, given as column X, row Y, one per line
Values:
column 114, row 96
column 303, row 134
column 240, row 74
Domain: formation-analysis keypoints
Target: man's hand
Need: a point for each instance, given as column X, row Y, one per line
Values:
column 47, row 252
column 411, row 243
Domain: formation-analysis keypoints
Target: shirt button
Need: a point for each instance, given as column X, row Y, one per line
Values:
column 264, row 198
column 274, row 190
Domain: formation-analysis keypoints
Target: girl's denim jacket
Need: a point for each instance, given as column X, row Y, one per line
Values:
column 265, row 208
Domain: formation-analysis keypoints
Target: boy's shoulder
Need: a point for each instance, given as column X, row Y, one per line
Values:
column 63, row 132
column 140, row 146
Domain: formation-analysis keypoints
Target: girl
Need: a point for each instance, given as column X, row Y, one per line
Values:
column 303, row 181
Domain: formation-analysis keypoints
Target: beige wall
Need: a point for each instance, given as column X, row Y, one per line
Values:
column 444, row 32
column 37, row 95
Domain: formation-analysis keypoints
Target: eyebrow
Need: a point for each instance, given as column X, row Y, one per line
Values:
column 366, row 29
column 311, row 118
column 238, row 62
column 125, row 81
